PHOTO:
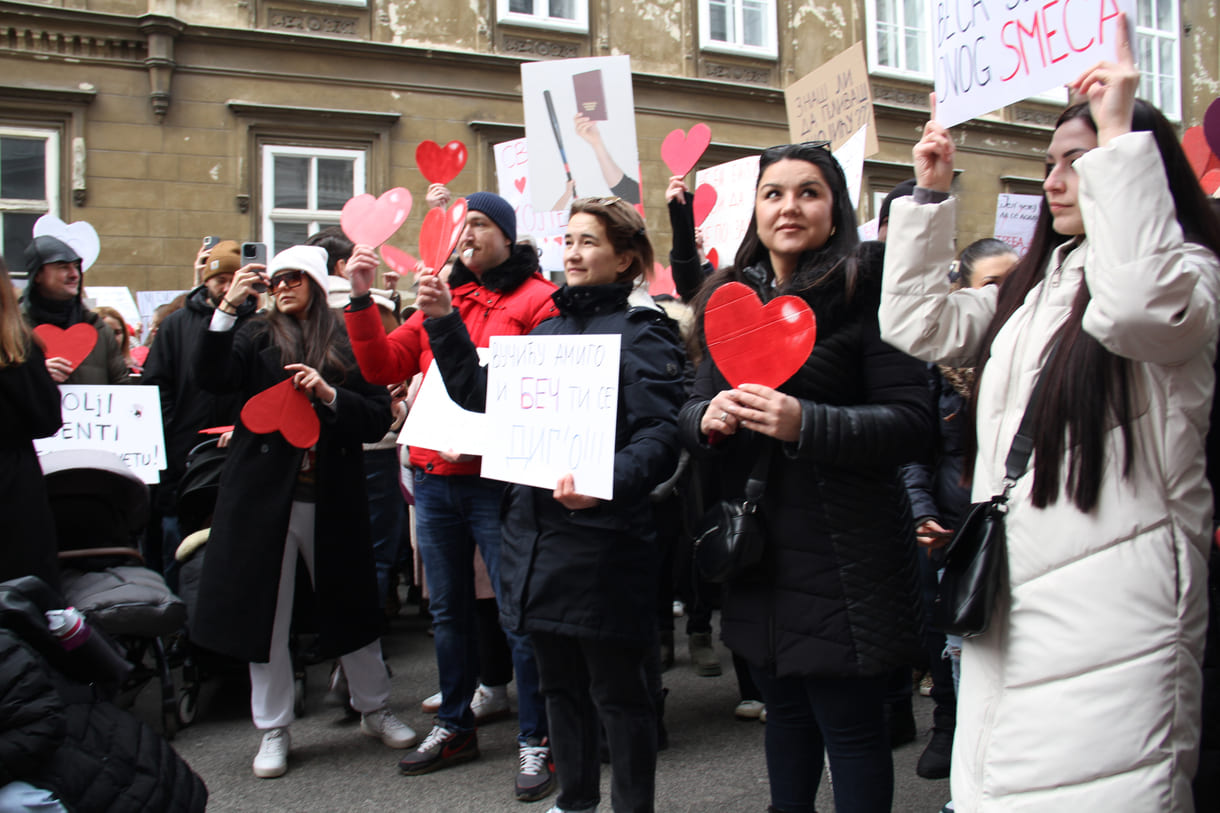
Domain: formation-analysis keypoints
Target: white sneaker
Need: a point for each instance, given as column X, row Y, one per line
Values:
column 272, row 758
column 679, row 609
column 749, row 710
column 388, row 728
column 489, row 703
column 432, row 704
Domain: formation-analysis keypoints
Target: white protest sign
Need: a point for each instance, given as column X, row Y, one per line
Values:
column 148, row 302
column 851, row 157
column 547, row 228
column 1016, row 216
column 726, row 224
column 123, row 420
column 992, row 53
column 117, row 297
column 833, row 102
column 436, row 422
column 552, row 409
column 867, row 231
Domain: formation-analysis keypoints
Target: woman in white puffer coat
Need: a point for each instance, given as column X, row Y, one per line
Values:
column 1084, row 693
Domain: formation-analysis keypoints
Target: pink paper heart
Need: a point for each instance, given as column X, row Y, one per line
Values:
column 705, row 202
column 440, row 233
column 399, row 260
column 757, row 344
column 520, row 184
column 661, row 281
column 139, row 354
column 681, row 151
column 283, row 408
column 371, row 221
column 73, row 345
column 440, row 164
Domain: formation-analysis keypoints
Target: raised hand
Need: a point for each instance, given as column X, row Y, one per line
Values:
column 1110, row 88
column 362, row 269
column 933, row 155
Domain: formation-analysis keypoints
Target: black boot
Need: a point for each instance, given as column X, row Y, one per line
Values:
column 934, row 761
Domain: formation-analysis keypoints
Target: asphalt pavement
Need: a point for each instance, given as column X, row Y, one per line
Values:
column 714, row 762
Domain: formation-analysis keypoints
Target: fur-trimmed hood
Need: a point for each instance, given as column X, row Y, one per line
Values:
column 521, row 264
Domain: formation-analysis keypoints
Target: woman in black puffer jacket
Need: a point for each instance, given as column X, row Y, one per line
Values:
column 833, row 605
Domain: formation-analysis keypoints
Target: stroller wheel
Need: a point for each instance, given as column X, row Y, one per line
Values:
column 298, row 690
column 188, row 706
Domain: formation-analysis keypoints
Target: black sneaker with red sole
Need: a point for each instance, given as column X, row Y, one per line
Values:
column 440, row 749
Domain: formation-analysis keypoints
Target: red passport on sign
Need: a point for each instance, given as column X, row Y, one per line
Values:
column 590, row 95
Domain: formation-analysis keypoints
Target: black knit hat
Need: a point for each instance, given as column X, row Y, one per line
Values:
column 48, row 249
column 496, row 208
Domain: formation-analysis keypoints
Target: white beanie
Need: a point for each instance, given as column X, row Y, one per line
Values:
column 310, row 259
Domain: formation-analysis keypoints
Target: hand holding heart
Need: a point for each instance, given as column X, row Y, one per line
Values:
column 362, row 269
column 753, row 406
column 433, row 297
column 307, row 379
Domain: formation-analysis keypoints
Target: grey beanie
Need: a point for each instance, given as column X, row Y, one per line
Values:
column 496, row 208
column 48, row 249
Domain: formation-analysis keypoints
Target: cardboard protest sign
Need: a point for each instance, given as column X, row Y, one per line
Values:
column 552, row 408
column 580, row 122
column 148, row 302
column 1016, row 216
column 125, row 420
column 725, row 225
column 833, row 102
column 436, row 422
column 992, row 53
column 547, row 228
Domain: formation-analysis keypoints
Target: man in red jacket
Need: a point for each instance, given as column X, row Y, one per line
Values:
column 499, row 291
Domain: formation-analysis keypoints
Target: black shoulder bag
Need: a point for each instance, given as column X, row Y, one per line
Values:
column 733, row 534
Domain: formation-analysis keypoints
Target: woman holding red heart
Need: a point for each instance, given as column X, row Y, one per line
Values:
column 831, row 608
column 293, row 486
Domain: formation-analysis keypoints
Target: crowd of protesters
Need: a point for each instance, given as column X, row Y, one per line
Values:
column 1085, row 693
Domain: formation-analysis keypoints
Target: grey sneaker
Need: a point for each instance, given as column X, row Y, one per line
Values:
column 535, row 776
column 272, row 758
column 383, row 725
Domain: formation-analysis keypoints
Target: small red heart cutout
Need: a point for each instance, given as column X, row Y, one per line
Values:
column 704, row 203
column 681, row 151
column 139, row 354
column 370, row 221
column 1210, row 181
column 440, row 164
column 757, row 344
column 520, row 184
column 399, row 260
column 72, row 345
column 713, row 257
column 285, row 409
column 440, row 233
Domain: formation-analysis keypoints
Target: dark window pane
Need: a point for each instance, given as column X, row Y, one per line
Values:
column 521, row 6
column 563, row 9
column 291, row 179
column 718, row 22
column 23, row 168
column 334, row 182
column 18, row 232
column 288, row 234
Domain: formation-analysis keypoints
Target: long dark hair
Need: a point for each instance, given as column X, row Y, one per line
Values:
column 318, row 339
column 1087, row 388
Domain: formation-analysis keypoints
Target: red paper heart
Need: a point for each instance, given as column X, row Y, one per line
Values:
column 681, row 151
column 440, row 233
column 705, row 202
column 713, row 257
column 440, row 164
column 72, row 345
column 371, row 221
column 661, row 281
column 139, row 354
column 217, row 430
column 399, row 260
column 520, row 184
column 1210, row 181
column 285, row 409
column 757, row 344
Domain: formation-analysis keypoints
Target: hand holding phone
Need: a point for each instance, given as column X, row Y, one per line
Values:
column 255, row 253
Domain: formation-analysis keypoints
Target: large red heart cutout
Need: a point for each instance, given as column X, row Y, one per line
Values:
column 1198, row 152
column 440, row 233
column 285, row 409
column 399, row 260
column 72, row 345
column 757, row 344
column 370, row 221
column 704, row 203
column 440, row 164
column 681, row 151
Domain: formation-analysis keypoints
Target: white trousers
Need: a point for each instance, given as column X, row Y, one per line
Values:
column 271, row 685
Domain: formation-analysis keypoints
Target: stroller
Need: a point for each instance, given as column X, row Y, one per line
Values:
column 100, row 508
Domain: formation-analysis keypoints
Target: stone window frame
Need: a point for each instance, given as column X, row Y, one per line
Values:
column 770, row 47
column 316, row 218
column 50, row 202
column 923, row 35
column 544, row 21
column 1151, row 40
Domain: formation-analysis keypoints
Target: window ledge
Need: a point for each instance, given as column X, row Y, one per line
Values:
column 366, row 118
column 544, row 24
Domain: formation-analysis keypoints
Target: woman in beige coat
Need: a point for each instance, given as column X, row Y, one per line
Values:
column 1084, row 694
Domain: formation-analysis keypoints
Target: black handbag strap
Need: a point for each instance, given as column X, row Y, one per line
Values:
column 756, row 486
column 1023, row 444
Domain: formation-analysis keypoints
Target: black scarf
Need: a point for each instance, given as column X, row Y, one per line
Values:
column 61, row 313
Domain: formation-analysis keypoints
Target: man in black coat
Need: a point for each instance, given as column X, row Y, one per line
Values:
column 185, row 407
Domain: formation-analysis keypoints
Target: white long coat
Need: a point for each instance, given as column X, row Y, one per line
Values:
column 1084, row 695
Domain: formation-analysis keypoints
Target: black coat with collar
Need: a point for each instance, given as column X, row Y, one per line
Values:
column 836, row 593
column 590, row 573
column 241, row 570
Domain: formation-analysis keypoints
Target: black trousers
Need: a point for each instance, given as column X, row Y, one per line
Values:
column 586, row 681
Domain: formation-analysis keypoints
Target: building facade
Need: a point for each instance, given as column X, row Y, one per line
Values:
column 161, row 121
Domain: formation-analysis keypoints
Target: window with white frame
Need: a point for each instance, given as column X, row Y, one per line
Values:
column 898, row 37
column 29, row 186
column 738, row 27
column 562, row 15
column 304, row 189
column 1156, row 53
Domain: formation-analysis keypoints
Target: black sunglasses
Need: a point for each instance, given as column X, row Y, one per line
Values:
column 288, row 279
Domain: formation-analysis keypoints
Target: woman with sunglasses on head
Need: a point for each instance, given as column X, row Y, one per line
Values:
column 1084, row 692
column 831, row 608
column 579, row 574
column 278, row 502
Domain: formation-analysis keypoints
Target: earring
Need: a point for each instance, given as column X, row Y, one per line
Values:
column 833, row 229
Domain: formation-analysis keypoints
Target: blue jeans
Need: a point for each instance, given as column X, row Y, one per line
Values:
column 22, row 797
column 841, row 715
column 387, row 513
column 453, row 514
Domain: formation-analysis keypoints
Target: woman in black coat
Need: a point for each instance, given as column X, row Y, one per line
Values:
column 277, row 501
column 579, row 574
column 29, row 408
column 833, row 605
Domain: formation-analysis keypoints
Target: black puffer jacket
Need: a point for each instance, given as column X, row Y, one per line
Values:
column 836, row 593
column 590, row 573
column 59, row 734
